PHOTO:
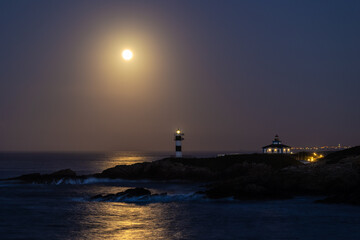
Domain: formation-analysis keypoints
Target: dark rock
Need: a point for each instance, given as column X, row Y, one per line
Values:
column 137, row 192
column 96, row 197
column 352, row 198
column 200, row 169
column 191, row 169
column 243, row 191
column 46, row 178
column 28, row 177
column 158, row 170
column 129, row 193
column 246, row 176
column 63, row 173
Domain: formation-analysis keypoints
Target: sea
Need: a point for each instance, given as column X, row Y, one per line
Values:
column 63, row 210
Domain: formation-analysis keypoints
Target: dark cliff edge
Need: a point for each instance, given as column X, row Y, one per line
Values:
column 246, row 176
column 198, row 169
column 47, row 178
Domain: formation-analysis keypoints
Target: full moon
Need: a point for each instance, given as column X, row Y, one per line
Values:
column 127, row 54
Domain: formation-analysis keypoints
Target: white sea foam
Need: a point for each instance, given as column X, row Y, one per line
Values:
column 92, row 180
column 156, row 198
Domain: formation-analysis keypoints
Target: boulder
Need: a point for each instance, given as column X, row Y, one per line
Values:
column 136, row 192
column 125, row 195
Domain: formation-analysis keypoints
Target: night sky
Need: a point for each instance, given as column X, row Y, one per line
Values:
column 231, row 74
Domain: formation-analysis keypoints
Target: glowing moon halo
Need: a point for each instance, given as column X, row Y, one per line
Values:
column 127, row 55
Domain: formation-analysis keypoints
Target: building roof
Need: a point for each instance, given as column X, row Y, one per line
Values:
column 276, row 146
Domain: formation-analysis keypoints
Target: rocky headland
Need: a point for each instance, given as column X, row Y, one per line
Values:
column 245, row 177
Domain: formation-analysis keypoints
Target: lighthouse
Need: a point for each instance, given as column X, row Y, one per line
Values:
column 178, row 138
column 276, row 147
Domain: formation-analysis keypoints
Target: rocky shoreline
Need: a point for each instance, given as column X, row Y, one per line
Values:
column 243, row 177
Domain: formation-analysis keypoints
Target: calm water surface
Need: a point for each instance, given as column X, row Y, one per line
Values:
column 37, row 211
column 16, row 163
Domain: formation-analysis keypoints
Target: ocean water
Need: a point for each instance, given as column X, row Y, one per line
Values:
column 16, row 163
column 63, row 210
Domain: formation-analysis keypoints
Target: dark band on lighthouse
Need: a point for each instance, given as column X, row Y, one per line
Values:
column 178, row 138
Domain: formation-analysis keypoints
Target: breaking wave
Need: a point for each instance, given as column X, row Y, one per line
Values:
column 92, row 180
column 155, row 198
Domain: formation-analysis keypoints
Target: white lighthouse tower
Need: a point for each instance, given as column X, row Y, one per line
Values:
column 178, row 138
